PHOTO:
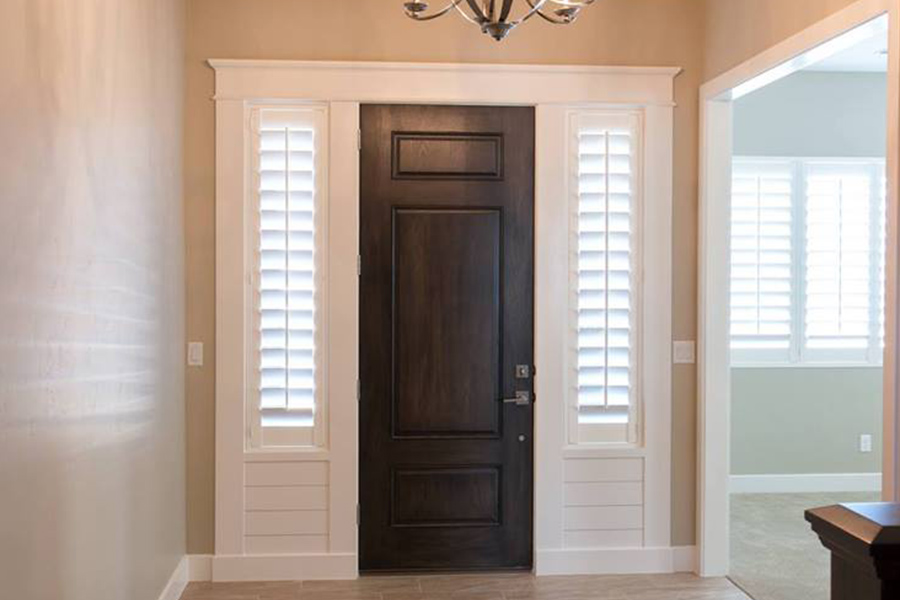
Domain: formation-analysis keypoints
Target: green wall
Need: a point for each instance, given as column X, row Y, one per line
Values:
column 804, row 420
column 814, row 114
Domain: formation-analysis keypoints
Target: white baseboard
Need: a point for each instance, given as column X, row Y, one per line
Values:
column 801, row 483
column 177, row 582
column 615, row 561
column 592, row 561
column 200, row 567
column 287, row 567
column 684, row 559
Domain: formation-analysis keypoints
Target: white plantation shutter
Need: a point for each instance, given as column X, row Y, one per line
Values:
column 839, row 304
column 807, row 261
column 761, row 259
column 286, row 259
column 605, row 295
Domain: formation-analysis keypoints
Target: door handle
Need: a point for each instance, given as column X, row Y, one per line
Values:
column 521, row 399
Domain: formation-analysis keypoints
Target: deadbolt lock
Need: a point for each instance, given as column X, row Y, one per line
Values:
column 523, row 371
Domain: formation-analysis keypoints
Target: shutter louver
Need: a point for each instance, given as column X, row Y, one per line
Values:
column 761, row 257
column 838, row 258
column 286, row 272
column 605, row 289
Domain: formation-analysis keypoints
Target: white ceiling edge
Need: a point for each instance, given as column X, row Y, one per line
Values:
column 867, row 56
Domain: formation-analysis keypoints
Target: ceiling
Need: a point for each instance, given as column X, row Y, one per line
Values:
column 864, row 57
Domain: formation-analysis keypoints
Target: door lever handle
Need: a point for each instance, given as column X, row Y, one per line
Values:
column 521, row 399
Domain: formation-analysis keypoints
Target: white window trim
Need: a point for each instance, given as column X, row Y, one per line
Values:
column 798, row 356
column 600, row 435
column 553, row 342
column 343, row 86
column 279, row 439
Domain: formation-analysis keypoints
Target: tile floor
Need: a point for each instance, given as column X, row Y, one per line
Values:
column 478, row 587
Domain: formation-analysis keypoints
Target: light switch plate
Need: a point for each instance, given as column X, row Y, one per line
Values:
column 684, row 353
column 195, row 354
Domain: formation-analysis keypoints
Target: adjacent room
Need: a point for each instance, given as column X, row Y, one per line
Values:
column 807, row 311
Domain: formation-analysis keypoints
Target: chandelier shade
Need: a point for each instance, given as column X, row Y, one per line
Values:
column 497, row 18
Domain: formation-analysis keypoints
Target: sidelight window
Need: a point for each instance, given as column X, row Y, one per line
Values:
column 286, row 254
column 807, row 261
column 604, row 257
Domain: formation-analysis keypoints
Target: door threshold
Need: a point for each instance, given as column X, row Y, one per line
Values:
column 449, row 571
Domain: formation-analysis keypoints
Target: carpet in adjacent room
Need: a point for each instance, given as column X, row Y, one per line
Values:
column 774, row 553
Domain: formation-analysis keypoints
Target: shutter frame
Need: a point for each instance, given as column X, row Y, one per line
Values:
column 762, row 303
column 601, row 272
column 287, row 259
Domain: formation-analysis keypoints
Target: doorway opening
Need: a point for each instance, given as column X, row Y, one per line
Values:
column 806, row 311
column 797, row 183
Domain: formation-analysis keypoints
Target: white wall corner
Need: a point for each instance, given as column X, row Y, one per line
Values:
column 177, row 581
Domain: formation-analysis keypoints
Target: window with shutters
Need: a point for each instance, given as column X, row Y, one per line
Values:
column 286, row 254
column 807, row 261
column 604, row 259
column 762, row 259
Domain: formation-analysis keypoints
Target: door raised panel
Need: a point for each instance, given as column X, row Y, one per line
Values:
column 446, row 496
column 446, row 276
column 447, row 156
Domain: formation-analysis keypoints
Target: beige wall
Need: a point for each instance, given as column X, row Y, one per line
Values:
column 92, row 301
column 612, row 32
column 740, row 29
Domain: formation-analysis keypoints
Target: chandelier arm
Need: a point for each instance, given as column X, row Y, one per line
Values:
column 536, row 10
column 536, row 6
column 453, row 4
column 464, row 14
column 477, row 13
column 493, row 16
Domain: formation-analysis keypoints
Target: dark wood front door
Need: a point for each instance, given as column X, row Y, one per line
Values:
column 446, row 314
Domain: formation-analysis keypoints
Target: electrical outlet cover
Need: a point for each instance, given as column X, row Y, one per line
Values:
column 865, row 443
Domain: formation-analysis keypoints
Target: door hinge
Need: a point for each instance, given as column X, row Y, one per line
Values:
column 359, row 139
column 358, row 391
column 358, row 265
column 357, row 515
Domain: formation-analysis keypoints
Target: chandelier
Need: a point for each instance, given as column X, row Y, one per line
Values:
column 496, row 17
